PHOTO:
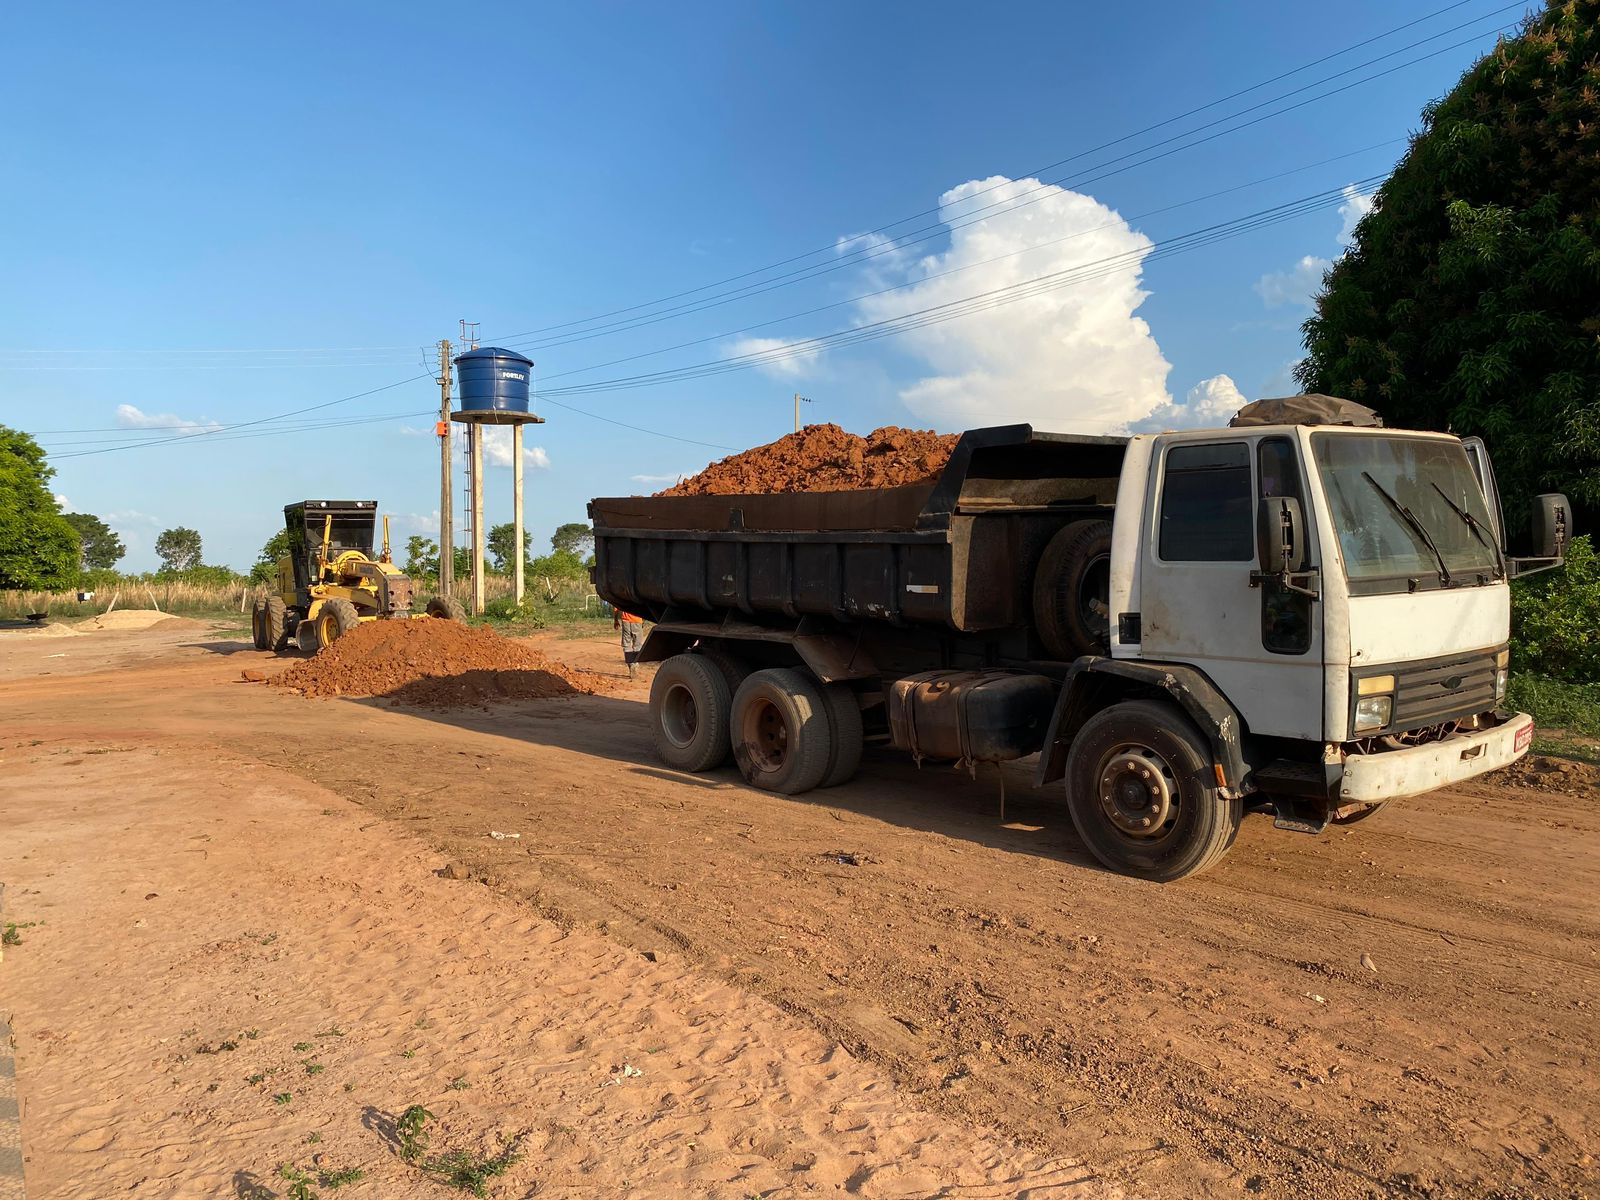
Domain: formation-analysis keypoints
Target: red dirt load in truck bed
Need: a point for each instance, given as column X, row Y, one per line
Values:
column 436, row 663
column 824, row 458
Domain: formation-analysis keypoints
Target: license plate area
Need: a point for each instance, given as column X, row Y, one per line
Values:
column 1524, row 738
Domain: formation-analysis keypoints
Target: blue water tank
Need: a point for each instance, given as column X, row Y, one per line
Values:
column 493, row 385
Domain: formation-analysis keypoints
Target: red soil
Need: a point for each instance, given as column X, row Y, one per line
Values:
column 824, row 458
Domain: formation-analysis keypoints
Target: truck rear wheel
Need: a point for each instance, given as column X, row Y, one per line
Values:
column 734, row 669
column 1142, row 793
column 258, row 625
column 689, row 713
column 781, row 735
column 845, row 731
column 276, row 619
column 1072, row 591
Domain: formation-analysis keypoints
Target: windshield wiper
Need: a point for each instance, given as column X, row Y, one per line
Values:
column 1411, row 520
column 1473, row 524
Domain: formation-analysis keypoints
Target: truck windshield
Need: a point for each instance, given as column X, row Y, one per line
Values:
column 1405, row 508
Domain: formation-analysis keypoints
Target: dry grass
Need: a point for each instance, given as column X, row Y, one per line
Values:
column 175, row 597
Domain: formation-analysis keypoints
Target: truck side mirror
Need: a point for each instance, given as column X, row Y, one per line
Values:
column 1551, row 525
column 1280, row 535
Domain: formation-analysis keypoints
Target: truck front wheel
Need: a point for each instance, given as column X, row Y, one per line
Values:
column 689, row 711
column 781, row 734
column 1141, row 790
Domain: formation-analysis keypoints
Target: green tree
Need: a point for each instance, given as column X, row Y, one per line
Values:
column 1554, row 615
column 1467, row 301
column 422, row 556
column 463, row 563
column 560, row 564
column 501, row 539
column 265, row 569
column 38, row 547
column 575, row 537
column 99, row 547
column 178, row 548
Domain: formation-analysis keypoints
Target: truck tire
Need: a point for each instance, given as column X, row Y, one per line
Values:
column 447, row 607
column 845, row 731
column 258, row 625
column 690, row 709
column 276, row 617
column 1072, row 591
column 734, row 669
column 1142, row 793
column 781, row 736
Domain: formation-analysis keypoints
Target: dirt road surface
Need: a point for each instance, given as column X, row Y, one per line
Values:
column 1403, row 1007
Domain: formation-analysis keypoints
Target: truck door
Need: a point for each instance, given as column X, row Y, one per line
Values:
column 1261, row 645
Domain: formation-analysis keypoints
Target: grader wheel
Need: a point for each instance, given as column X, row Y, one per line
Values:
column 275, row 621
column 447, row 607
column 336, row 618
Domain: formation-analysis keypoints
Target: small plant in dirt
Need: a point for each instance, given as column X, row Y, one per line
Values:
column 219, row 1048
column 258, row 1077
column 313, row 1138
column 411, row 1128
column 302, row 1047
column 342, row 1177
column 409, row 1052
column 12, row 935
column 313, row 1068
column 283, row 1097
column 472, row 1172
column 299, row 1182
column 331, row 1031
column 458, row 1084
column 252, row 1034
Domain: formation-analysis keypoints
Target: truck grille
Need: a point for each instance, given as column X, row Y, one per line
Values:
column 1441, row 689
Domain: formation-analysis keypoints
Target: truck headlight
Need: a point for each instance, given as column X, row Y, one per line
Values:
column 1373, row 712
column 1502, row 672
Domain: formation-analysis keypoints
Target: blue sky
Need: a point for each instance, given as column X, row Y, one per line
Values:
column 215, row 215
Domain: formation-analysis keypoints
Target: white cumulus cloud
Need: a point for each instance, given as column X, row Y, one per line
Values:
column 782, row 362
column 63, row 503
column 657, row 481
column 129, row 417
column 1073, row 358
column 1357, row 204
column 1299, row 285
column 1209, row 404
column 497, row 449
column 1295, row 286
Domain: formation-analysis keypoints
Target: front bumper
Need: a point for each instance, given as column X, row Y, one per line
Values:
column 1393, row 774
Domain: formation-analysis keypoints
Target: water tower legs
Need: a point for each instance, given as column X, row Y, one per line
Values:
column 475, row 448
column 516, row 509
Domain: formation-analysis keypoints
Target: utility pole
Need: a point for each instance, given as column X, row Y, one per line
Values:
column 447, row 536
column 798, row 401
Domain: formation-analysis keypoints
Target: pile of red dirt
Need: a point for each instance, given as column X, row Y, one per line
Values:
column 824, row 458
column 436, row 663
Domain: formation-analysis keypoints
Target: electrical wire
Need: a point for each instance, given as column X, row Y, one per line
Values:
column 534, row 335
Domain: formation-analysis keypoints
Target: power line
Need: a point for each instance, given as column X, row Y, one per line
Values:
column 883, row 229
column 968, row 266
column 964, row 306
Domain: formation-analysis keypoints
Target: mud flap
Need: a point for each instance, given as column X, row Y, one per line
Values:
column 1298, row 816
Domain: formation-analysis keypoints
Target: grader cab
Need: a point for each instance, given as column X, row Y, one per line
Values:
column 331, row 581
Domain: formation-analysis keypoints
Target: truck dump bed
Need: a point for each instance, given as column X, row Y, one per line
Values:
column 957, row 552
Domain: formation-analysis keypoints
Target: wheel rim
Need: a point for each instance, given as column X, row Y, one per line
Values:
column 680, row 716
column 766, row 735
column 1094, row 596
column 1138, row 792
column 327, row 628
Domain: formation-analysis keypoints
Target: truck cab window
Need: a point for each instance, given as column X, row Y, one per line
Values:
column 1206, row 506
column 1285, row 615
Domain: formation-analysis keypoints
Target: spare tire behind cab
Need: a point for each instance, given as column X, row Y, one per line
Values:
column 1072, row 591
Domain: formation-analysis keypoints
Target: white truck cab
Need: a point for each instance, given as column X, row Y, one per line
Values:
column 1344, row 588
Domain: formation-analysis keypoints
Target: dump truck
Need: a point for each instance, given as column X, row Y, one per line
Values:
column 331, row 581
column 1307, row 619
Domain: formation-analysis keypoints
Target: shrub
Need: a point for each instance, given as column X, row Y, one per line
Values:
column 1555, row 619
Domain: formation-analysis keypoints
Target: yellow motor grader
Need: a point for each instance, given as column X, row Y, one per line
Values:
column 329, row 582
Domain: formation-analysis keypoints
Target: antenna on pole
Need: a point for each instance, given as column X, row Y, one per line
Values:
column 798, row 401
